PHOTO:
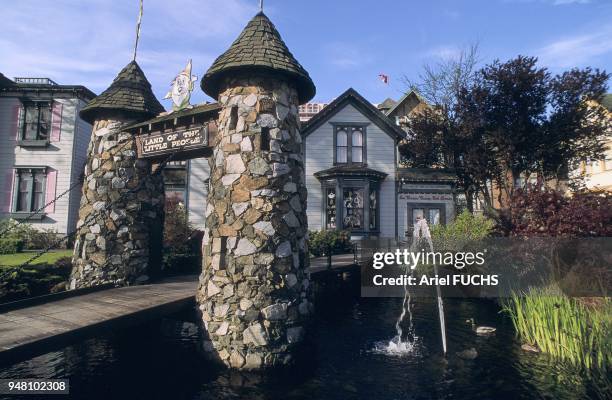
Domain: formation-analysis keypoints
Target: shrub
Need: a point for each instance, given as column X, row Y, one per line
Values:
column 11, row 245
column 177, row 229
column 41, row 239
column 320, row 241
column 15, row 230
column 545, row 212
column 36, row 280
column 180, row 264
column 32, row 238
column 466, row 228
column 182, row 243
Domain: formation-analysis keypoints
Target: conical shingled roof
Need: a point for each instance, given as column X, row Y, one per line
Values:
column 259, row 48
column 129, row 93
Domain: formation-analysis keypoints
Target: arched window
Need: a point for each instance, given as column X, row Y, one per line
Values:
column 350, row 144
column 341, row 146
column 357, row 146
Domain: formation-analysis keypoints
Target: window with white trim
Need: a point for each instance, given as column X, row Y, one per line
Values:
column 350, row 144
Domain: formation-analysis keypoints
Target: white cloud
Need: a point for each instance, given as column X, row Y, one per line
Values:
column 451, row 14
column 344, row 55
column 577, row 50
column 88, row 42
column 562, row 2
column 553, row 2
column 443, row 52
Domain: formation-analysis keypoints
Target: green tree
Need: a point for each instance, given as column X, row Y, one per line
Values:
column 508, row 120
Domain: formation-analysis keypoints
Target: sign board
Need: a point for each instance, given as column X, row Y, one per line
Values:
column 178, row 141
column 411, row 186
column 426, row 196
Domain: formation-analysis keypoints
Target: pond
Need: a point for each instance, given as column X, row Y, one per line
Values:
column 160, row 361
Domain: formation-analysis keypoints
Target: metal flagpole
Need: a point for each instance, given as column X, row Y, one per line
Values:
column 138, row 29
column 261, row 5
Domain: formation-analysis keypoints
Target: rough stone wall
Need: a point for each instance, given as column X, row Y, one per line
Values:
column 120, row 243
column 254, row 295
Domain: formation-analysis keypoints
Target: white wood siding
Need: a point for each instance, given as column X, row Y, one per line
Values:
column 198, row 172
column 79, row 158
column 380, row 156
column 58, row 155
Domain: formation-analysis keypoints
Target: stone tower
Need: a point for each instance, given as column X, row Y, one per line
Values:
column 119, row 231
column 254, row 295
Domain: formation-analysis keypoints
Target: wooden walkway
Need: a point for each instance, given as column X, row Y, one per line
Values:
column 34, row 330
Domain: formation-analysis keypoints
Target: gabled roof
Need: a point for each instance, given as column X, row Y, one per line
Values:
column 351, row 96
column 5, row 82
column 258, row 48
column 130, row 92
column 412, row 92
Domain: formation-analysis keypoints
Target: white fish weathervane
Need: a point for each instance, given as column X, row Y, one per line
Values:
column 182, row 86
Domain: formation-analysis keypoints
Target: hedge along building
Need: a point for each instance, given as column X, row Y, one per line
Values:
column 254, row 293
column 119, row 233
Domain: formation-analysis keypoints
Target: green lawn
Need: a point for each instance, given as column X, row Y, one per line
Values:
column 11, row 260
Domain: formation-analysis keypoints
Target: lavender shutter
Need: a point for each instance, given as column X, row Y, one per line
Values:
column 7, row 192
column 56, row 121
column 50, row 190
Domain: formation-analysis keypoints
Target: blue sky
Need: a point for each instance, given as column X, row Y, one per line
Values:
column 342, row 43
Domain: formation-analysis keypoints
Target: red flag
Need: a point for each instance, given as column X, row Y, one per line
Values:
column 384, row 78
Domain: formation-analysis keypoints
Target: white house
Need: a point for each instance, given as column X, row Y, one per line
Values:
column 353, row 175
column 43, row 145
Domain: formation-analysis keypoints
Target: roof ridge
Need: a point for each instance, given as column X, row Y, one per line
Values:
column 329, row 110
column 404, row 97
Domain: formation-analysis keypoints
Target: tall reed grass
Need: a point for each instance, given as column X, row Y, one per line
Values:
column 563, row 327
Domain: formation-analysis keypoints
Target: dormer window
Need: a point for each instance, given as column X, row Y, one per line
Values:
column 350, row 144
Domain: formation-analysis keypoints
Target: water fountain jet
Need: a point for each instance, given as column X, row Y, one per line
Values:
column 397, row 346
column 421, row 230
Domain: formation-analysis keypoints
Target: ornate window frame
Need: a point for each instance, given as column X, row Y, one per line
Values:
column 339, row 184
column 349, row 128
